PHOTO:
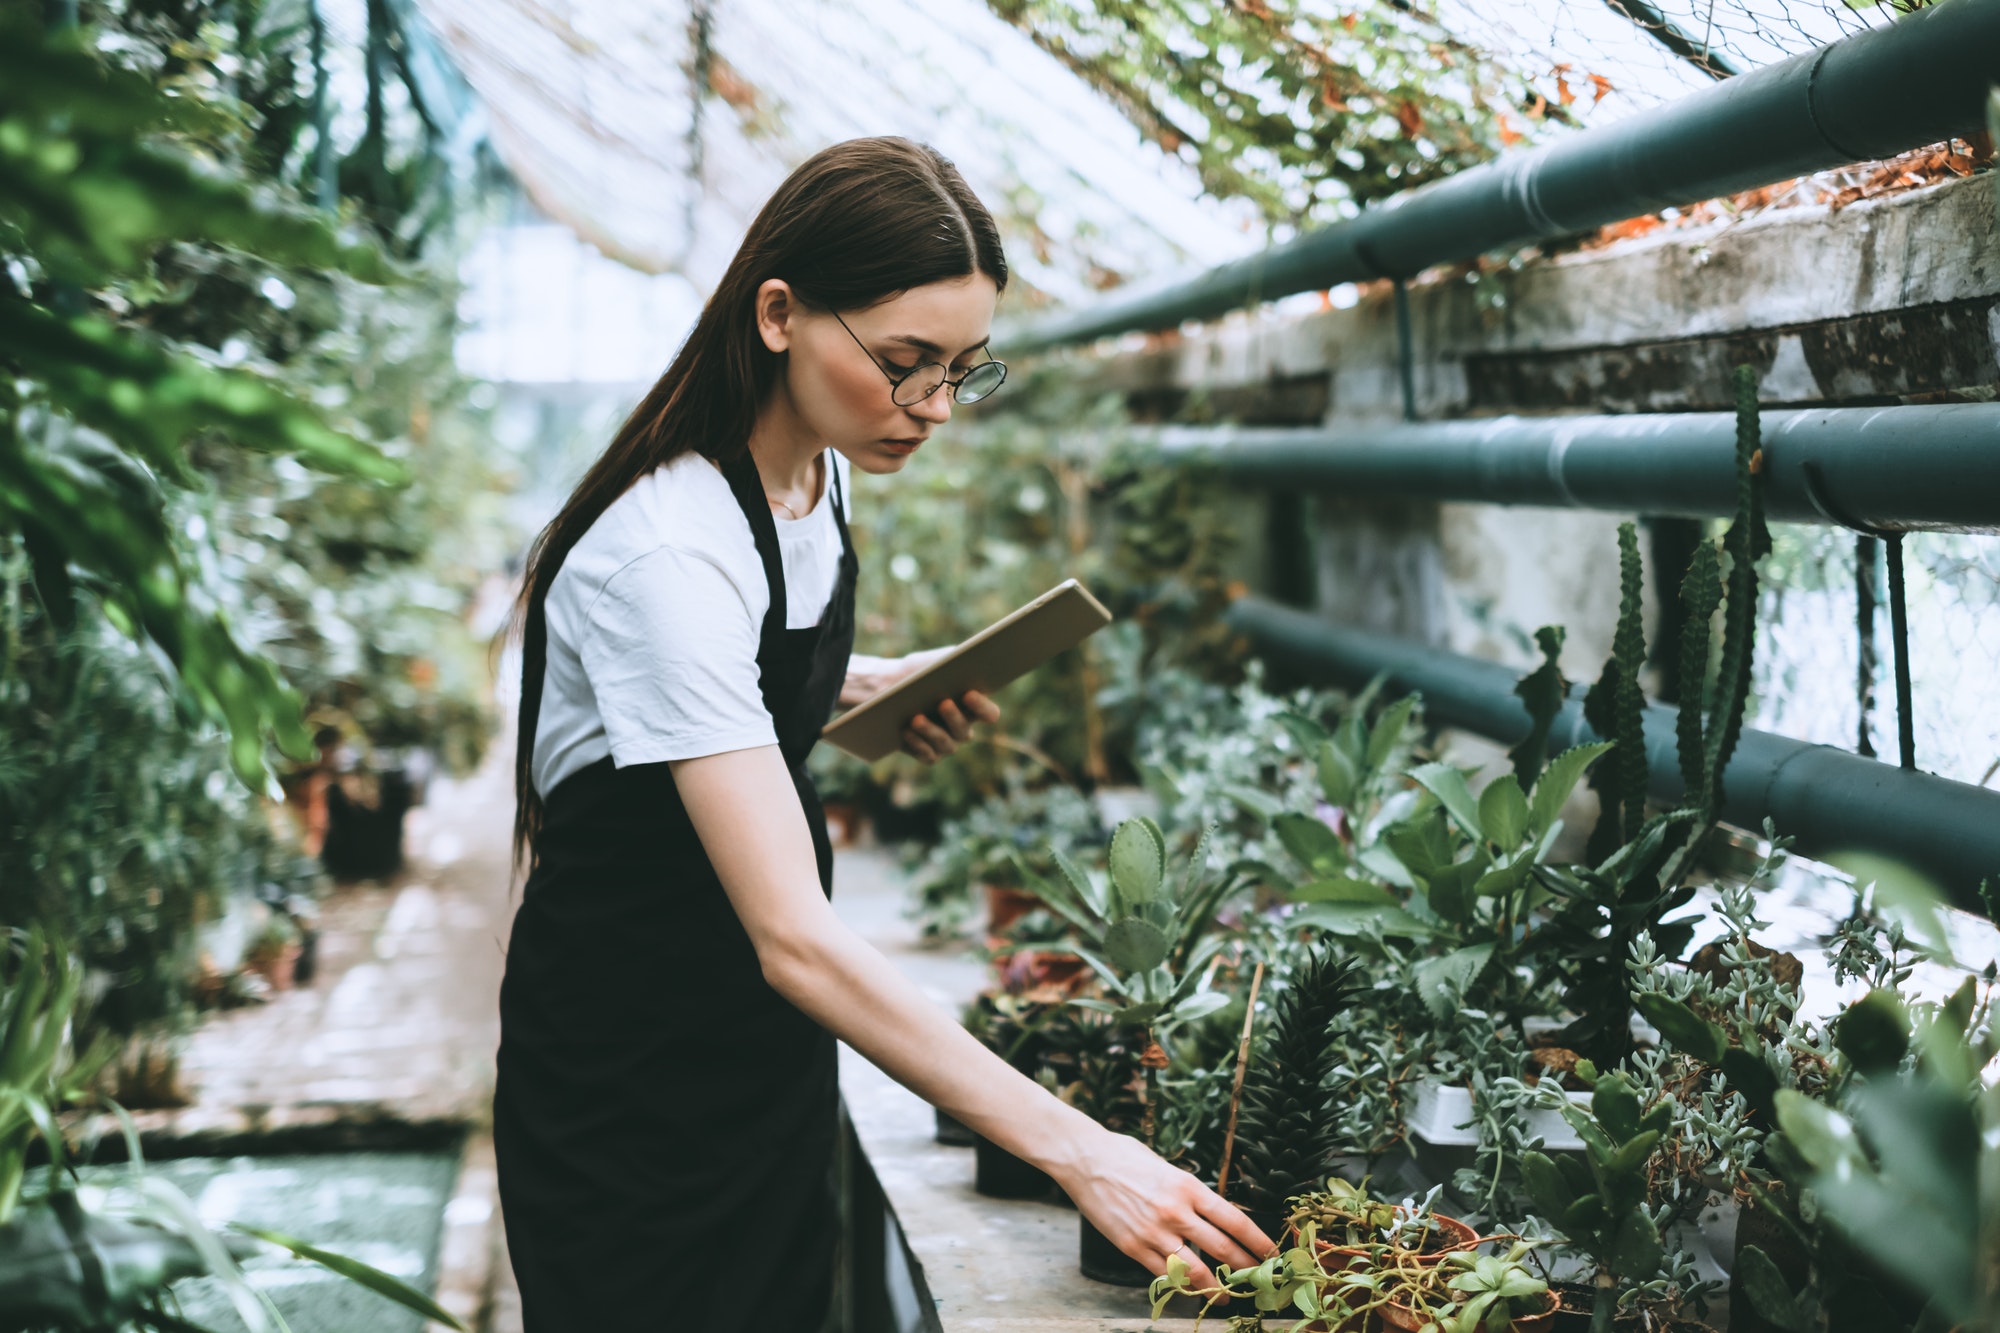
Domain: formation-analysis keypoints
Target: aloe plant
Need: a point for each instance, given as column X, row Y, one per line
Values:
column 1142, row 934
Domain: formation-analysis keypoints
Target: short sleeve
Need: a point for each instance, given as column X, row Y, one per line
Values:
column 670, row 651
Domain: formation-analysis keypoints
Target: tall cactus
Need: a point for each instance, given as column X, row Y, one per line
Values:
column 1616, row 707
column 1747, row 541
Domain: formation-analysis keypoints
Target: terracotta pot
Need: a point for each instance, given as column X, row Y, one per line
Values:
column 1398, row 1316
column 1005, row 905
column 1456, row 1234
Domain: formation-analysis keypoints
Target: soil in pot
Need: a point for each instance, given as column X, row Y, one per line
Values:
column 1101, row 1261
column 1402, row 1317
column 999, row 1174
column 1451, row 1234
column 951, row 1131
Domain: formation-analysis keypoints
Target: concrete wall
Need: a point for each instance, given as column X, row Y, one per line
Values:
column 1895, row 299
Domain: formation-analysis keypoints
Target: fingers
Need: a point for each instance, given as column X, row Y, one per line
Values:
column 1219, row 1245
column 931, row 739
column 1199, row 1276
column 982, row 708
column 1232, row 1221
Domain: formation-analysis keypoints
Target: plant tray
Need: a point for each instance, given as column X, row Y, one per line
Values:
column 1440, row 1115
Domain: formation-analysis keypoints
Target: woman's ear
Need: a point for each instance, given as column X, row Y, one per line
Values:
column 775, row 308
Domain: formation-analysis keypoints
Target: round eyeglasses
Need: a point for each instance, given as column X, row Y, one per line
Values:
column 913, row 386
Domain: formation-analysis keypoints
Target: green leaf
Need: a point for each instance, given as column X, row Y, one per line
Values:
column 1422, row 842
column 1338, row 777
column 1616, row 1107
column 1138, row 862
column 1558, row 780
column 1349, row 920
column 1874, row 1032
column 1503, row 811
column 1821, row 1135
column 1448, row 785
column 357, row 1272
column 1087, row 890
column 1388, row 731
column 1683, row 1027
column 1543, row 691
column 1767, row 1292
column 1341, row 889
column 1442, row 981
column 1134, row 945
column 1306, row 731
column 1636, row 1253
column 1310, row 842
column 1449, row 888
column 1545, row 1184
column 1261, row 804
column 1751, row 1078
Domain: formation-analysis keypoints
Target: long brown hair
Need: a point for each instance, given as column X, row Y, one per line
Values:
column 856, row 224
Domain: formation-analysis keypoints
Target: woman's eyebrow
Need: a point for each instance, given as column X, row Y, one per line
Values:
column 925, row 345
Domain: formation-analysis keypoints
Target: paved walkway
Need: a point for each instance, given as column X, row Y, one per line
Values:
column 394, row 1039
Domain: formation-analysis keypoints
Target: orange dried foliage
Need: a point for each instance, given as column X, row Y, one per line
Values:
column 1409, row 118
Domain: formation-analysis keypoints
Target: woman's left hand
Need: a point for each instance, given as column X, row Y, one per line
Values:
column 931, row 739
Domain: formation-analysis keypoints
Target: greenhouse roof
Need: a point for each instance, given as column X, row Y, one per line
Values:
column 594, row 108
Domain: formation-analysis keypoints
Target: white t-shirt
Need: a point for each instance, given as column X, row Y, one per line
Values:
column 655, row 617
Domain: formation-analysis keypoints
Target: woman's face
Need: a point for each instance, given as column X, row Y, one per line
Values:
column 839, row 385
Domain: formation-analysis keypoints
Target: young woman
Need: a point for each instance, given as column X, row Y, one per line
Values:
column 676, row 977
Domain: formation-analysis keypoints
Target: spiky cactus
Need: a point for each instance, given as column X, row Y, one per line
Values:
column 1285, row 1132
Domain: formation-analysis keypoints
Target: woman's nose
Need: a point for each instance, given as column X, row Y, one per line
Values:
column 936, row 408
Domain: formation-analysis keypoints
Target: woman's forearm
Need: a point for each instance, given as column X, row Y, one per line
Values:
column 847, row 986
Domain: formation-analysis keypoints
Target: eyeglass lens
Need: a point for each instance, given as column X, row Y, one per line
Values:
column 977, row 382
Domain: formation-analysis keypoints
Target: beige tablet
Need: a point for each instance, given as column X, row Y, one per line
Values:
column 998, row 655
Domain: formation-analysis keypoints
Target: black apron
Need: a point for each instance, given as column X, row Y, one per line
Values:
column 664, row 1120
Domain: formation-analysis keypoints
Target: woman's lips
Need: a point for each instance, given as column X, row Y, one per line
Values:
column 906, row 446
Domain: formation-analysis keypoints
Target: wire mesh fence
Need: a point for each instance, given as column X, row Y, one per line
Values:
column 1825, row 670
column 1649, row 51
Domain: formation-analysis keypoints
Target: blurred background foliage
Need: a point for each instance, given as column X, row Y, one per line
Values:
column 244, row 495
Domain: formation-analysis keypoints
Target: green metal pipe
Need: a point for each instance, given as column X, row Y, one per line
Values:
column 1828, row 799
column 1881, row 92
column 1887, row 468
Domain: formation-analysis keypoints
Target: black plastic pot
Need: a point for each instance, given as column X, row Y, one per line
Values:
column 364, row 841
column 1101, row 1261
column 999, row 1174
column 952, row 1132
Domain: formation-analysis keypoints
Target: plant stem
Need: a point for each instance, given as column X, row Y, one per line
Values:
column 1602, row 1306
column 1236, row 1091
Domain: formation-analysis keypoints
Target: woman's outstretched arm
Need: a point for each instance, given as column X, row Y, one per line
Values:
column 747, row 813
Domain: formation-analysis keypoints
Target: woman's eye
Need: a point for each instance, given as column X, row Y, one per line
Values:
column 902, row 370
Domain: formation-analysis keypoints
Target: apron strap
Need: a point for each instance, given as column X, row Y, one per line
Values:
column 748, row 487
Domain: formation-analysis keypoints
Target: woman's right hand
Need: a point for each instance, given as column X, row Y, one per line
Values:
column 1152, row 1210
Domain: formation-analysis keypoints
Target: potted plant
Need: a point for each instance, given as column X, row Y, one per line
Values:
column 1285, row 1134
column 273, row 952
column 1353, row 1229
column 1468, row 1293
column 1144, row 938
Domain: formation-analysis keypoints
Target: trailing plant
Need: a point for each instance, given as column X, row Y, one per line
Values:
column 1307, row 113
